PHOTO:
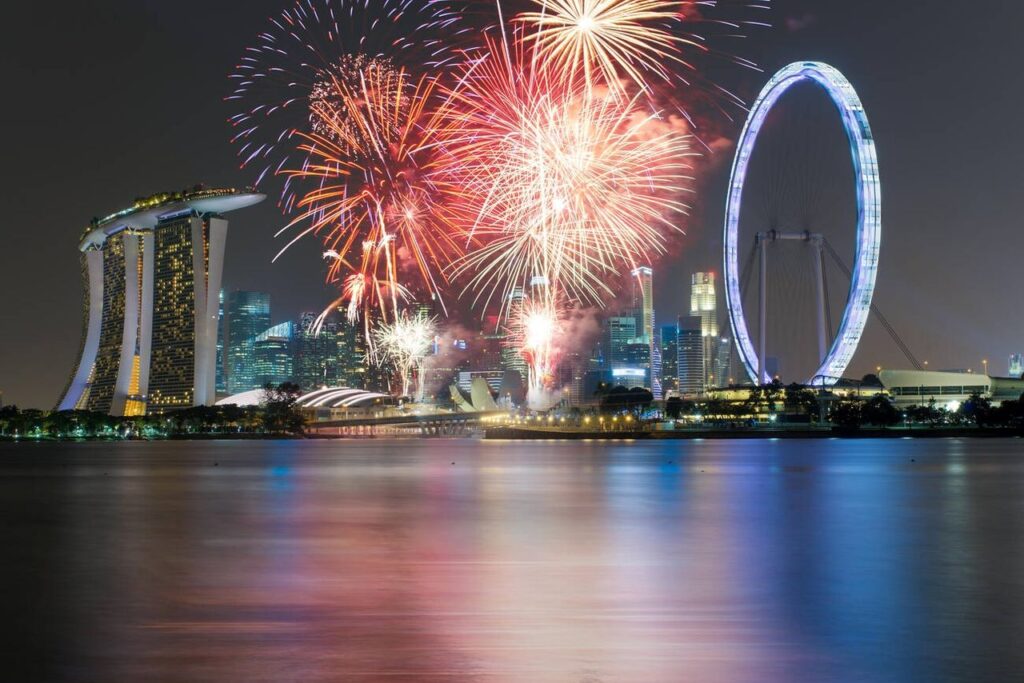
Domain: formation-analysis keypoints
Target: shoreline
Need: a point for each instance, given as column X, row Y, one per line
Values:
column 521, row 434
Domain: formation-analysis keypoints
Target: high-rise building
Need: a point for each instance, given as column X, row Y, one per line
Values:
column 221, row 382
column 511, row 358
column 690, row 356
column 643, row 302
column 152, row 273
column 273, row 354
column 1017, row 365
column 248, row 316
column 669, row 359
column 721, row 359
column 627, row 355
column 315, row 363
column 704, row 305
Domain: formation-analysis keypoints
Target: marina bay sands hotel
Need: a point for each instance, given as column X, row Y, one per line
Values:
column 152, row 276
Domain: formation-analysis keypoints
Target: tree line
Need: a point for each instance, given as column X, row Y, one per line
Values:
column 277, row 415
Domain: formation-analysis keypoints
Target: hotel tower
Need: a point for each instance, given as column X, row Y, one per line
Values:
column 152, row 276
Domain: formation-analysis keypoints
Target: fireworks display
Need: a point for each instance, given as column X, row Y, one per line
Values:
column 608, row 40
column 371, row 201
column 405, row 343
column 307, row 47
column 434, row 158
column 558, row 181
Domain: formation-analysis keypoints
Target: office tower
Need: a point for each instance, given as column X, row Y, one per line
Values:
column 248, row 315
column 704, row 305
column 511, row 358
column 627, row 355
column 721, row 362
column 620, row 332
column 1017, row 365
column 690, row 357
column 669, row 359
column 351, row 355
column 643, row 302
column 315, row 362
column 221, row 383
column 272, row 354
column 151, row 275
column 643, row 309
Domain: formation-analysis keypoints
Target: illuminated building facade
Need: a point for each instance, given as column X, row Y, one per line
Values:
column 704, row 305
column 221, row 380
column 1017, row 366
column 248, row 316
column 690, row 357
column 152, row 276
column 669, row 359
column 273, row 353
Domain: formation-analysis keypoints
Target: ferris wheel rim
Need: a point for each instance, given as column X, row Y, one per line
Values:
column 869, row 214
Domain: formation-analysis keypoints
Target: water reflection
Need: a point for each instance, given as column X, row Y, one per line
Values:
column 456, row 560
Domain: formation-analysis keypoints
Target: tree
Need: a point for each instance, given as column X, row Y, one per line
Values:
column 847, row 414
column 674, row 408
column 801, row 401
column 280, row 414
column 977, row 409
column 880, row 412
column 621, row 399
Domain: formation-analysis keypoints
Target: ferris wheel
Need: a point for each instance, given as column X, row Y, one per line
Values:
column 798, row 227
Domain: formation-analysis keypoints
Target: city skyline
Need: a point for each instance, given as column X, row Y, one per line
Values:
column 922, row 221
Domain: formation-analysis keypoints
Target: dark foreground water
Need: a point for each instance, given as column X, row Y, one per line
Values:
column 705, row 562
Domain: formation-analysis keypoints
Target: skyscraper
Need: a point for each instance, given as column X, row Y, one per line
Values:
column 248, row 315
column 273, row 354
column 1017, row 365
column 152, row 273
column 627, row 355
column 669, row 359
column 721, row 358
column 511, row 358
column 221, row 382
column 643, row 302
column 690, row 358
column 704, row 305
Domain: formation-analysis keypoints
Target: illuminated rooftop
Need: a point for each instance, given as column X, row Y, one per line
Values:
column 146, row 212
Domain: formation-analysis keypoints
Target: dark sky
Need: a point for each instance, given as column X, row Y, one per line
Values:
column 108, row 100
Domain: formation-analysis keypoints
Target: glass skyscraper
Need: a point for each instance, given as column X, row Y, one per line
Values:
column 717, row 349
column 272, row 355
column 669, row 359
column 248, row 315
column 690, row 356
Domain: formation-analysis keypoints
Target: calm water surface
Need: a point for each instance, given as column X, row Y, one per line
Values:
column 456, row 560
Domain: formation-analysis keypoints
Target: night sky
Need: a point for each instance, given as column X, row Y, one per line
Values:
column 109, row 100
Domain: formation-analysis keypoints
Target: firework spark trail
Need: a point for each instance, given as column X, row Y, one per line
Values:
column 617, row 43
column 405, row 343
column 541, row 326
column 373, row 202
column 608, row 39
column 310, row 44
column 557, row 181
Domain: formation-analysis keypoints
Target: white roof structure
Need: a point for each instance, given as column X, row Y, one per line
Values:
column 338, row 397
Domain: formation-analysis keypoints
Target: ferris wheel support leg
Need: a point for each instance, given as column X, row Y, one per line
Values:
column 763, row 316
column 819, row 269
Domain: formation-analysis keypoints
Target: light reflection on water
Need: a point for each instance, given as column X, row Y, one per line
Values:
column 731, row 562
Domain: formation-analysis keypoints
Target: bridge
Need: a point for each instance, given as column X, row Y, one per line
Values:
column 438, row 424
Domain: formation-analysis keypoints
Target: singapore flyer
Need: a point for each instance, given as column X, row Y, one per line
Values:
column 836, row 357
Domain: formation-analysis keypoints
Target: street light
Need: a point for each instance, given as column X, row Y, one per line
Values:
column 985, row 363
